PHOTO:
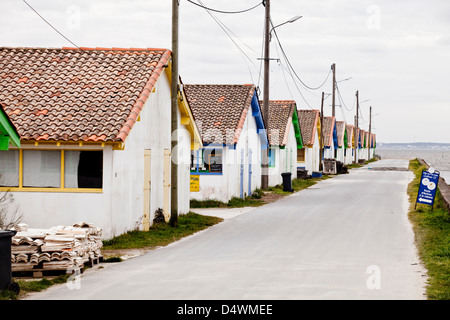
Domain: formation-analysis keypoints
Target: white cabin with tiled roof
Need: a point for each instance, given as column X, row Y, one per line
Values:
column 349, row 155
column 95, row 136
column 308, row 158
column 330, row 143
column 285, row 140
column 341, row 132
column 230, row 122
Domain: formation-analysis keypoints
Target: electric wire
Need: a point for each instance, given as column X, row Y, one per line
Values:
column 341, row 99
column 225, row 12
column 296, row 75
column 284, row 76
column 261, row 60
column 290, row 72
column 242, row 52
column 50, row 24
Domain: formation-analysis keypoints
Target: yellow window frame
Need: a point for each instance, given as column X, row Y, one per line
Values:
column 21, row 188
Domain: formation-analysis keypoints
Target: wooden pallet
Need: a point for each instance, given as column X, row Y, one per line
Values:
column 41, row 269
column 41, row 273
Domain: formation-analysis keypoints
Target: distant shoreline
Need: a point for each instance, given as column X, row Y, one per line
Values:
column 414, row 145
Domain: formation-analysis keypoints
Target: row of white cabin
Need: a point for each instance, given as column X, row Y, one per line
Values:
column 85, row 135
column 233, row 135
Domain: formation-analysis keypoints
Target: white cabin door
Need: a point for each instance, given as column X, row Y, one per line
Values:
column 249, row 172
column 166, row 184
column 147, row 189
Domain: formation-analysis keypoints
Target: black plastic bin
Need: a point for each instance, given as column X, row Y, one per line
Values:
column 287, row 181
column 6, row 282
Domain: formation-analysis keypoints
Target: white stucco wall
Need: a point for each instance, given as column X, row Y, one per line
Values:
column 340, row 155
column 362, row 154
column 119, row 207
column 349, row 158
column 48, row 209
column 312, row 156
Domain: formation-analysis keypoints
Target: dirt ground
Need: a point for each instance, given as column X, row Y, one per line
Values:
column 269, row 197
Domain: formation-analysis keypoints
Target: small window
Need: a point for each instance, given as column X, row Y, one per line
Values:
column 83, row 169
column 272, row 157
column 51, row 169
column 207, row 161
column 41, row 169
column 301, row 155
column 212, row 159
column 9, row 168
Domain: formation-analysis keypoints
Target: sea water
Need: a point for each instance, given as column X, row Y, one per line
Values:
column 438, row 159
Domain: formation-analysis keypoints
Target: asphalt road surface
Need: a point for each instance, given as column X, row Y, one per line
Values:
column 348, row 238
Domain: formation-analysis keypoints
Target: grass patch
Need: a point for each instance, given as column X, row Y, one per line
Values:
column 32, row 286
column 432, row 234
column 297, row 185
column 161, row 234
column 235, row 202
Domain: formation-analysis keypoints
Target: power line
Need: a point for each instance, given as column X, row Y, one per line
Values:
column 290, row 65
column 226, row 12
column 284, row 76
column 290, row 72
column 225, row 28
column 295, row 83
column 50, row 24
column 342, row 100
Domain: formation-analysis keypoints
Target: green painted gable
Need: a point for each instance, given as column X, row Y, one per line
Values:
column 298, row 134
column 8, row 133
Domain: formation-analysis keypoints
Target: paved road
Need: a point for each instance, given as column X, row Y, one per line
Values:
column 344, row 238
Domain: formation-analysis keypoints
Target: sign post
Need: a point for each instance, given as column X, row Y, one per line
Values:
column 427, row 188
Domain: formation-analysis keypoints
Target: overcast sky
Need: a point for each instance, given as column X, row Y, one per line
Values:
column 397, row 53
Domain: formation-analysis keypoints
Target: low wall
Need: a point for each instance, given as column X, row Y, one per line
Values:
column 444, row 188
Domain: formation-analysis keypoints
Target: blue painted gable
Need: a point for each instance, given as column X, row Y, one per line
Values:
column 335, row 140
column 256, row 113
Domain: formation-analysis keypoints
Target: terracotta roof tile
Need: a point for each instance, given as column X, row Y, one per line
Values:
column 219, row 110
column 350, row 135
column 280, row 120
column 328, row 127
column 50, row 94
column 309, row 120
column 340, row 130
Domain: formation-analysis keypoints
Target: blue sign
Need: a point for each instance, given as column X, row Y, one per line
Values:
column 427, row 188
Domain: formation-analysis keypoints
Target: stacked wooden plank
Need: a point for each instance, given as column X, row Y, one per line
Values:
column 63, row 248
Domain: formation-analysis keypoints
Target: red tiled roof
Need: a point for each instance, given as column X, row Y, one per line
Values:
column 71, row 94
column 340, row 130
column 350, row 135
column 362, row 135
column 280, row 112
column 309, row 120
column 220, row 110
column 327, row 127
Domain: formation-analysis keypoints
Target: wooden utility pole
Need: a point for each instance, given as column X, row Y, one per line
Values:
column 356, row 124
column 321, row 131
column 370, row 134
column 265, row 154
column 174, row 118
column 333, row 67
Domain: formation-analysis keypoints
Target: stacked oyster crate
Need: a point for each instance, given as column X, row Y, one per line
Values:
column 60, row 248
